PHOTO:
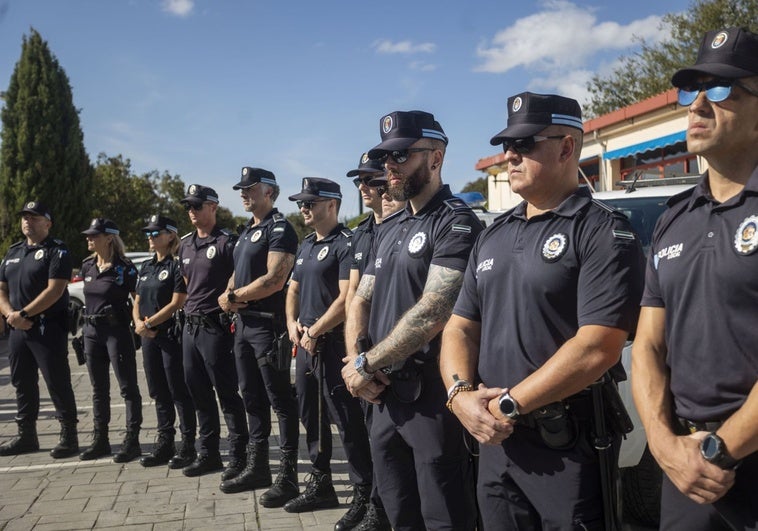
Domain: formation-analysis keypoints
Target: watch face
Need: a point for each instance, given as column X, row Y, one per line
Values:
column 359, row 361
column 507, row 406
column 710, row 447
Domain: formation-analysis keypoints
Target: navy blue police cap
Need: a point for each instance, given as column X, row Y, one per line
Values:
column 729, row 53
column 158, row 222
column 101, row 226
column 197, row 194
column 367, row 165
column 317, row 188
column 36, row 208
column 530, row 113
column 251, row 176
column 401, row 129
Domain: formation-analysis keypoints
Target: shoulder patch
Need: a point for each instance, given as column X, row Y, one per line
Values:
column 347, row 233
column 457, row 205
column 279, row 217
column 226, row 232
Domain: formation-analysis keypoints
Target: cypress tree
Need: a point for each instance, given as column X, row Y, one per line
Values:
column 42, row 154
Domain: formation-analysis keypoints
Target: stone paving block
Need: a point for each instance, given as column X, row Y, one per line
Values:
column 111, row 518
column 203, row 508
column 54, row 492
column 19, row 495
column 83, row 491
column 147, row 518
column 234, row 504
column 100, row 503
column 24, row 523
column 133, row 487
column 210, row 523
column 169, row 526
column 106, row 476
column 14, row 510
column 188, row 496
column 66, row 521
column 58, row 507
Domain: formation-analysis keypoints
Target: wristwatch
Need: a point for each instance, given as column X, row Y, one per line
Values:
column 231, row 296
column 713, row 450
column 23, row 314
column 508, row 406
column 147, row 323
column 360, row 367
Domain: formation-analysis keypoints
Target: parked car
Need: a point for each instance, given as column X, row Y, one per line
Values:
column 76, row 293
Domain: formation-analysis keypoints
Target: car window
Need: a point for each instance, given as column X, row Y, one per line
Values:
column 642, row 212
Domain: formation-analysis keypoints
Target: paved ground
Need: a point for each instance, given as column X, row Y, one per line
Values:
column 38, row 492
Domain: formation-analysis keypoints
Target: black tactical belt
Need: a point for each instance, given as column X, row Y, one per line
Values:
column 691, row 426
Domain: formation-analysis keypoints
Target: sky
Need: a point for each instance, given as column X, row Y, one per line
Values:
column 200, row 88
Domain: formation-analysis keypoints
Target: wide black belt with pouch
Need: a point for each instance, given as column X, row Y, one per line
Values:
column 558, row 422
column 407, row 382
column 279, row 357
column 686, row 427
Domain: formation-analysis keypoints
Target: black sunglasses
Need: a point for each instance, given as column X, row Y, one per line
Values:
column 308, row 205
column 716, row 90
column 526, row 144
column 402, row 155
column 196, row 208
column 367, row 180
column 153, row 233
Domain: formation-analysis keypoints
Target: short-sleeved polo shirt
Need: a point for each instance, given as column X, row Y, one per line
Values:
column 532, row 283
column 363, row 238
column 703, row 269
column 157, row 283
column 28, row 268
column 206, row 263
column 111, row 288
column 441, row 233
column 319, row 266
column 273, row 233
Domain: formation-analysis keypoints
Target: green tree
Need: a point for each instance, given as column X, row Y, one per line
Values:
column 296, row 218
column 479, row 185
column 42, row 154
column 649, row 71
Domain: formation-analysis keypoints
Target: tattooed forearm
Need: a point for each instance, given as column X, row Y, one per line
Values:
column 423, row 321
column 366, row 287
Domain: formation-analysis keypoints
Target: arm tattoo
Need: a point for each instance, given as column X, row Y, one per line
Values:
column 366, row 287
column 281, row 268
column 424, row 320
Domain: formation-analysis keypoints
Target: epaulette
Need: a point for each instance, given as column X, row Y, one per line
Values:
column 456, row 205
column 686, row 194
column 604, row 206
column 310, row 236
column 89, row 259
column 278, row 217
column 347, row 233
column 59, row 242
column 17, row 244
column 188, row 234
column 226, row 232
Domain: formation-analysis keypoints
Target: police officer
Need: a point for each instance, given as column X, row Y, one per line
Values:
column 33, row 298
column 401, row 305
column 207, row 263
column 694, row 358
column 109, row 279
column 371, row 183
column 315, row 315
column 161, row 292
column 263, row 259
column 549, row 297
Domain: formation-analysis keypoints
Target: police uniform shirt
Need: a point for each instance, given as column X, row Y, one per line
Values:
column 157, row 283
column 532, row 283
column 441, row 233
column 363, row 237
column 319, row 267
column 207, row 264
column 109, row 288
column 273, row 233
column 703, row 269
column 26, row 270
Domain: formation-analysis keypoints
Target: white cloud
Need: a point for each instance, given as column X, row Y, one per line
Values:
column 562, row 46
column 180, row 8
column 403, row 47
column 421, row 66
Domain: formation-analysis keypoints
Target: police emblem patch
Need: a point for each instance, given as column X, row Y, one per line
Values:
column 154, row 219
column 364, row 158
column 31, row 204
column 256, row 235
column 417, row 244
column 39, row 254
column 719, row 40
column 517, row 104
column 746, row 237
column 322, row 253
column 387, row 124
column 244, row 171
column 192, row 189
column 554, row 247
column 210, row 253
column 163, row 275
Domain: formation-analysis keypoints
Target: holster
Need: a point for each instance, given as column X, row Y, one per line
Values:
column 616, row 416
column 78, row 345
column 407, row 383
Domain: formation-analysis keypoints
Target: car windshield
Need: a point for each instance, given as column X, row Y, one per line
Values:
column 642, row 212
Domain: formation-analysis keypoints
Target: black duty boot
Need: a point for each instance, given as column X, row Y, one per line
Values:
column 185, row 455
column 285, row 485
column 357, row 510
column 319, row 494
column 234, row 467
column 26, row 441
column 68, row 444
column 163, row 450
column 375, row 519
column 130, row 448
column 100, row 446
column 257, row 473
column 204, row 464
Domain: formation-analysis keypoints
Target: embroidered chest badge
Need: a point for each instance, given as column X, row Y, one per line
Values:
column 39, row 254
column 322, row 253
column 417, row 244
column 554, row 247
column 163, row 275
column 210, row 253
column 746, row 237
column 256, row 236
